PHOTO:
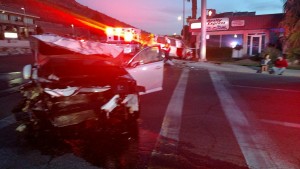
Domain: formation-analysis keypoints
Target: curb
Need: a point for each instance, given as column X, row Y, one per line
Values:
column 230, row 67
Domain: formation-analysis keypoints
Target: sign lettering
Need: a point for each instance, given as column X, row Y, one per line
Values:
column 215, row 24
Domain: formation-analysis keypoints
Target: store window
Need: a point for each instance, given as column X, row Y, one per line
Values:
column 14, row 18
column 214, row 41
column 229, row 40
column 28, row 20
column 232, row 40
column 3, row 17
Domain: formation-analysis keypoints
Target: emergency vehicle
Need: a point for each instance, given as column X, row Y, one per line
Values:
column 123, row 34
column 127, row 38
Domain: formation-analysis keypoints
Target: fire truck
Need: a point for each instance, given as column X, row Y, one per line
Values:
column 127, row 38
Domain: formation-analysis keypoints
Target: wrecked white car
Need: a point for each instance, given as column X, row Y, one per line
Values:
column 85, row 83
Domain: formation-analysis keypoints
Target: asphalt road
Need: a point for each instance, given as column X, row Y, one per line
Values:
column 203, row 118
column 14, row 63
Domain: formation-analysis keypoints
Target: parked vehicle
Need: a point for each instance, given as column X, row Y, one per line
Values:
column 176, row 45
column 86, row 84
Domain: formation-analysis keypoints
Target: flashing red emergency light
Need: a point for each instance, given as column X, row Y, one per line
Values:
column 128, row 36
column 109, row 31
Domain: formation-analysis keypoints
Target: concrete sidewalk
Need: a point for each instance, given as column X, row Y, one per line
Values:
column 229, row 67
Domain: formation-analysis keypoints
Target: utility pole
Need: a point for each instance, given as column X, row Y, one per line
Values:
column 73, row 30
column 203, row 31
column 183, row 19
column 25, row 24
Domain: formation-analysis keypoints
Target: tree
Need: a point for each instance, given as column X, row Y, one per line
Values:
column 291, row 24
column 185, row 29
column 194, row 8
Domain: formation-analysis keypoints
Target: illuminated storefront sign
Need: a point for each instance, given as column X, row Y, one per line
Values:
column 196, row 25
column 10, row 35
column 215, row 24
column 237, row 23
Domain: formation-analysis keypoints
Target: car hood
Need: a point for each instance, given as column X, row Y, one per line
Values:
column 72, row 62
column 86, row 47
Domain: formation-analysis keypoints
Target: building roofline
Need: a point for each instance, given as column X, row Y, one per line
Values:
column 11, row 10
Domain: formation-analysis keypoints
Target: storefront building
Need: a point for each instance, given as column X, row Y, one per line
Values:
column 245, row 29
column 15, row 23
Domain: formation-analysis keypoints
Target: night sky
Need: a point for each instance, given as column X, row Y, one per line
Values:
column 161, row 16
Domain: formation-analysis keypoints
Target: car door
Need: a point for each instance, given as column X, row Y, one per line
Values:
column 146, row 67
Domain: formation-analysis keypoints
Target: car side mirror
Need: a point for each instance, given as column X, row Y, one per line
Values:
column 27, row 71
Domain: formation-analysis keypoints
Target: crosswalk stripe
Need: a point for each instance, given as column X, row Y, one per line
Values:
column 255, row 145
column 172, row 119
column 286, row 124
column 170, row 129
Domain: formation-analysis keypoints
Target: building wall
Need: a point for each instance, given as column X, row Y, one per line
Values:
column 14, row 47
column 253, row 32
column 20, row 23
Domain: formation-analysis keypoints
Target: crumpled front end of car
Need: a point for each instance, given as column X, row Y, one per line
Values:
column 74, row 82
column 48, row 102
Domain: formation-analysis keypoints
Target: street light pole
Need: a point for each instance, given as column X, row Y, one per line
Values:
column 183, row 18
column 23, row 11
column 203, row 31
column 73, row 31
column 183, row 12
column 25, row 25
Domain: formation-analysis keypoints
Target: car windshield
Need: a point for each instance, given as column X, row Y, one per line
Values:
column 144, row 56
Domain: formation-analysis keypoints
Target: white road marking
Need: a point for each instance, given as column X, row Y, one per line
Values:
column 7, row 121
column 286, row 124
column 172, row 120
column 257, row 148
column 264, row 88
column 169, row 132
